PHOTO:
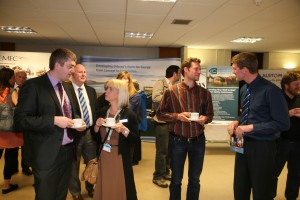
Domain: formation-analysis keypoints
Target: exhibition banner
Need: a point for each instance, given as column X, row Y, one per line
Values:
column 33, row 63
column 145, row 71
column 273, row 75
column 224, row 88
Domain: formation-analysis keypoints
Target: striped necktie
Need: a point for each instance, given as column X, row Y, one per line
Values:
column 245, row 107
column 84, row 108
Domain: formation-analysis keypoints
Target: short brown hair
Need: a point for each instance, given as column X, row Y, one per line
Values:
column 188, row 63
column 288, row 78
column 246, row 59
column 61, row 55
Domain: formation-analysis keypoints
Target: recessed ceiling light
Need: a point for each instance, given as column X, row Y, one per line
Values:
column 17, row 29
column 138, row 35
column 246, row 40
column 164, row 1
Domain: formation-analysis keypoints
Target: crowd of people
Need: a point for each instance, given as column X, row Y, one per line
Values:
column 52, row 145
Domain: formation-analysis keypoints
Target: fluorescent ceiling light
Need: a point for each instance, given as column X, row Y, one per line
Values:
column 165, row 1
column 246, row 40
column 138, row 35
column 17, row 29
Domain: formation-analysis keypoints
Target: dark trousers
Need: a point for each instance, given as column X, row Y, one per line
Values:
column 23, row 164
column 86, row 148
column 53, row 183
column 179, row 149
column 288, row 151
column 254, row 170
column 162, row 160
column 10, row 162
column 137, row 151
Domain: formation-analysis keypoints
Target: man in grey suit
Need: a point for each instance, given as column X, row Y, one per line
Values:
column 44, row 113
column 85, row 144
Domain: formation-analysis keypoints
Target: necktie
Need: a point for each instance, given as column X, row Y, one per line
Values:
column 84, row 108
column 65, row 106
column 245, row 108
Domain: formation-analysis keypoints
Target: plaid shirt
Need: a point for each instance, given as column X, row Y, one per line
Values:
column 180, row 98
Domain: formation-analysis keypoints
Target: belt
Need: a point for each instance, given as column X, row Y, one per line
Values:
column 189, row 139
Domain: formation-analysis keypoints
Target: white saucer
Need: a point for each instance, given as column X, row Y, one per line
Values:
column 106, row 125
column 76, row 127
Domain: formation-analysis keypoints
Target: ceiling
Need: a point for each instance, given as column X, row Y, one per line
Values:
column 103, row 23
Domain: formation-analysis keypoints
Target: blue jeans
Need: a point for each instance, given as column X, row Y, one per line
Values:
column 178, row 149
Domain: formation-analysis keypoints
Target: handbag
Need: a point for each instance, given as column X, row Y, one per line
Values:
column 90, row 173
column 6, row 115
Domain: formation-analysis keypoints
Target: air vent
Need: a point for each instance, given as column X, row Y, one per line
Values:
column 181, row 21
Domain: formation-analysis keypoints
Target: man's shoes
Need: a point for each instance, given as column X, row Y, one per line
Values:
column 10, row 189
column 160, row 183
column 27, row 171
column 168, row 177
column 79, row 197
column 91, row 193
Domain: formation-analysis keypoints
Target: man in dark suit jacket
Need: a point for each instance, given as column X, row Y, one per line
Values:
column 85, row 144
column 44, row 113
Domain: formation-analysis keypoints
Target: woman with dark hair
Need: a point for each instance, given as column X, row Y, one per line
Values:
column 135, row 106
column 9, row 141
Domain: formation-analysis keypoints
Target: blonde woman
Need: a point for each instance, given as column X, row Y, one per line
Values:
column 115, row 179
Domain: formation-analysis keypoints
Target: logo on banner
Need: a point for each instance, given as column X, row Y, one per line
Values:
column 213, row 70
column 10, row 58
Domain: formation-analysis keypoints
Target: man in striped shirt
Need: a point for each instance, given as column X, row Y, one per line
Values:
column 186, row 134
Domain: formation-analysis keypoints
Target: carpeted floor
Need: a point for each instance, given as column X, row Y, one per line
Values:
column 216, row 179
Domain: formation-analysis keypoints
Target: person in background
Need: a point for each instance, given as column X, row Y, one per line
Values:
column 44, row 113
column 288, row 146
column 20, row 77
column 9, row 140
column 186, row 136
column 85, row 144
column 115, row 179
column 162, row 160
column 101, row 102
column 267, row 117
column 134, row 105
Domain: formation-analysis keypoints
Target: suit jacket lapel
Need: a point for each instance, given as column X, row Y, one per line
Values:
column 52, row 93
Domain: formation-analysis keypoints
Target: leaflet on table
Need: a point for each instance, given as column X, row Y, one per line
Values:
column 237, row 144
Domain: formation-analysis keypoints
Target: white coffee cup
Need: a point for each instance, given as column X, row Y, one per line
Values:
column 77, row 122
column 194, row 116
column 110, row 121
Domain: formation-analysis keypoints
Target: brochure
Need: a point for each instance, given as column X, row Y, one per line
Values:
column 236, row 144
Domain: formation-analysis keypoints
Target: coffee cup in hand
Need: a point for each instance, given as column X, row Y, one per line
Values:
column 77, row 122
column 110, row 121
column 194, row 116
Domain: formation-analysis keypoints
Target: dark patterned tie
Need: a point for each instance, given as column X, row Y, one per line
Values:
column 65, row 107
column 245, row 108
column 84, row 108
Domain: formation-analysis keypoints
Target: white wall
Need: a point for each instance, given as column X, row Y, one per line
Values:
column 211, row 57
column 114, row 52
column 277, row 60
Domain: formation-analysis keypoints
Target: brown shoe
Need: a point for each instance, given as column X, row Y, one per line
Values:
column 79, row 197
column 160, row 183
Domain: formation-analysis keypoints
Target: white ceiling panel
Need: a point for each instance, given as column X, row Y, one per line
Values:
column 103, row 22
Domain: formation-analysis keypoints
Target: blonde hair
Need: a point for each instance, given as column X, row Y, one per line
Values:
column 131, row 88
column 121, row 86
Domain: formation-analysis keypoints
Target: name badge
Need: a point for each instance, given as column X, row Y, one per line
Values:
column 107, row 148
